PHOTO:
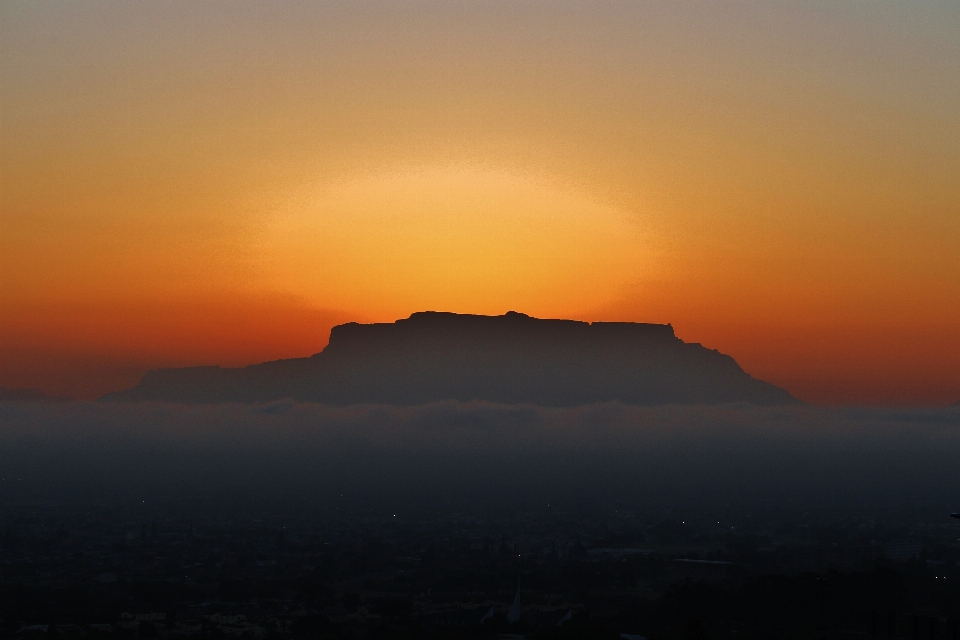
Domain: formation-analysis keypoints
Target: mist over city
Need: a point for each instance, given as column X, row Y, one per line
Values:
column 306, row 520
column 788, row 460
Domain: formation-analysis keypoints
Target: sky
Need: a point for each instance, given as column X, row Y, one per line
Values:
column 222, row 182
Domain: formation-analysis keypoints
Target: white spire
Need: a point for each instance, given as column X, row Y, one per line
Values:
column 514, row 614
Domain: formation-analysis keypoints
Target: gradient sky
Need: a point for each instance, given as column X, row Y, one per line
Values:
column 219, row 183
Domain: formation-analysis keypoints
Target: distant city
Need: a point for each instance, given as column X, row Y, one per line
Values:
column 209, row 568
column 290, row 521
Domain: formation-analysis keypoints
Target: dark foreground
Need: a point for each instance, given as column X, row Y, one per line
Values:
column 208, row 569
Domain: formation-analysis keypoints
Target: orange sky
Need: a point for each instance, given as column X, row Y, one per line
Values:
column 221, row 183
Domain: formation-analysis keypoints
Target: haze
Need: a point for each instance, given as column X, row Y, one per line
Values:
column 481, row 455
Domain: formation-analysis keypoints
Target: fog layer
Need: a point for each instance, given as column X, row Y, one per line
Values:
column 483, row 453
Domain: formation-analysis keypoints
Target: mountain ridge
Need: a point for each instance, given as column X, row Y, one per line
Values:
column 512, row 358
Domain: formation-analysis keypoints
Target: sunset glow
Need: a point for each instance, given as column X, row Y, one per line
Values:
column 220, row 183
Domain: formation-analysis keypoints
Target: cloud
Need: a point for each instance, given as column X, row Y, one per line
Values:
column 691, row 457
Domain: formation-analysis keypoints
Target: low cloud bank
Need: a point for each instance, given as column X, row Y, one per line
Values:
column 494, row 454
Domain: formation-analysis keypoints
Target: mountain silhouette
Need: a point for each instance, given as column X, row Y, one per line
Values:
column 512, row 358
column 8, row 394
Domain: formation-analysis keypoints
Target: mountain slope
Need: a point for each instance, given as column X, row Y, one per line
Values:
column 511, row 358
column 8, row 394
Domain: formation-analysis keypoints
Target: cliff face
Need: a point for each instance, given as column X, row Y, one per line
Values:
column 511, row 358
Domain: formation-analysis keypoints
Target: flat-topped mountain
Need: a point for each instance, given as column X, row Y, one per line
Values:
column 511, row 358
